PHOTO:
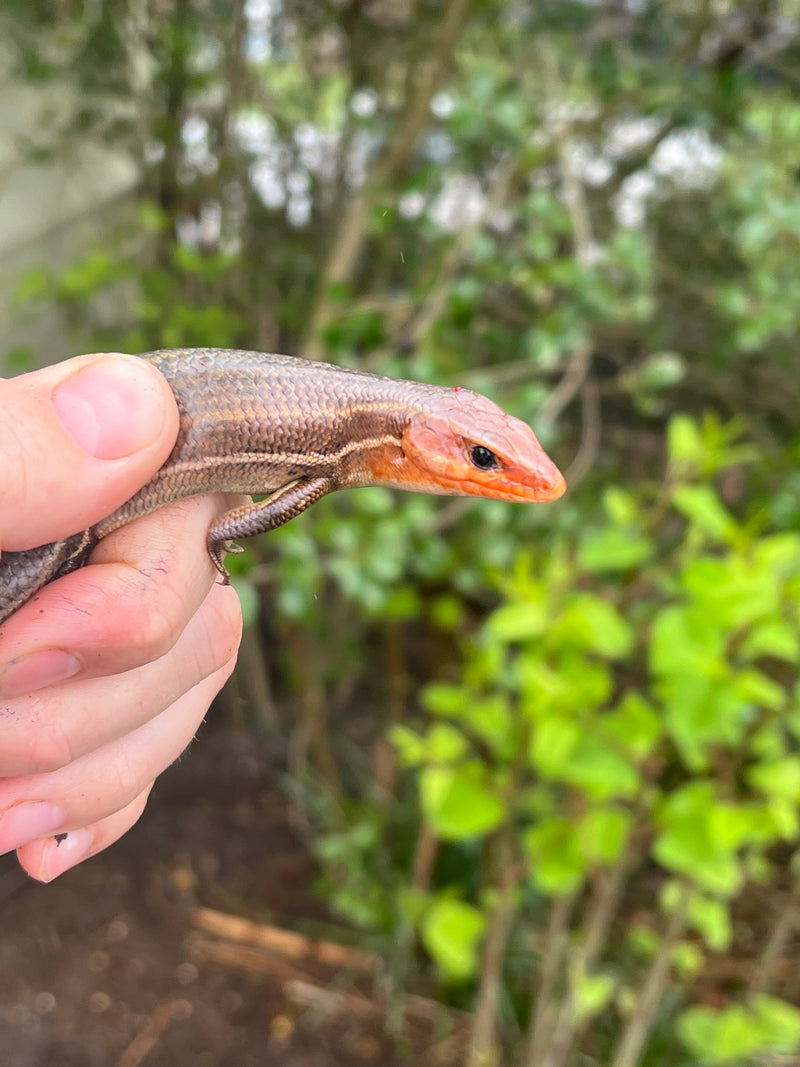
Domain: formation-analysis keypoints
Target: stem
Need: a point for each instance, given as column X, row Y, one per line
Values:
column 543, row 1020
column 384, row 756
column 432, row 309
column 572, row 192
column 788, row 920
column 311, row 733
column 591, row 426
column 174, row 88
column 593, row 936
column 633, row 1039
column 483, row 1051
column 424, row 858
column 563, row 1024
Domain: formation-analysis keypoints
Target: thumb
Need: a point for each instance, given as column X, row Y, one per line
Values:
column 77, row 440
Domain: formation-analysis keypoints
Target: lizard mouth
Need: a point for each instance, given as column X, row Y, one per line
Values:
column 519, row 484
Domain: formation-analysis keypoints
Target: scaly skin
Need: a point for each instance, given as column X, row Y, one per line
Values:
column 258, row 423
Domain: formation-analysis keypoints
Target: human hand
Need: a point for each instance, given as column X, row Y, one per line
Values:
column 106, row 673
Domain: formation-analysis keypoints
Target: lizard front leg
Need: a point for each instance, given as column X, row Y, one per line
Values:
column 250, row 519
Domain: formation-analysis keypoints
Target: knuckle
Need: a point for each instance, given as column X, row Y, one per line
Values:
column 15, row 461
column 153, row 633
column 148, row 632
column 46, row 750
column 126, row 776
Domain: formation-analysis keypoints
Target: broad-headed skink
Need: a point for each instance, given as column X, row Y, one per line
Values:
column 257, row 423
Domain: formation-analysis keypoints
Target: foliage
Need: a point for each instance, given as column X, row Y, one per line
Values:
column 629, row 716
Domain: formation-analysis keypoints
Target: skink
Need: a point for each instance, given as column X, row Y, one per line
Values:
column 297, row 430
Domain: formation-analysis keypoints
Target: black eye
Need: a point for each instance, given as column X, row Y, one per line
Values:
column 483, row 458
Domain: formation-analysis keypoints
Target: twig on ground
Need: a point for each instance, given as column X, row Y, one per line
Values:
column 286, row 943
column 146, row 1040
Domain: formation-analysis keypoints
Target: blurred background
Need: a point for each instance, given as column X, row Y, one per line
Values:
column 492, row 785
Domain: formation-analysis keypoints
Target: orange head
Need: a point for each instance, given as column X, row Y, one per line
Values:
column 465, row 445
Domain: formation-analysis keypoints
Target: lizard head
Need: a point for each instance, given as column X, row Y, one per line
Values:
column 465, row 445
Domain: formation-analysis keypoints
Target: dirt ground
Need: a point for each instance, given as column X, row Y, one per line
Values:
column 107, row 966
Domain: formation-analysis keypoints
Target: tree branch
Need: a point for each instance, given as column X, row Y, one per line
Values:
column 354, row 228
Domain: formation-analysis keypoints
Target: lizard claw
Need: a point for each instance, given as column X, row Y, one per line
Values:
column 217, row 550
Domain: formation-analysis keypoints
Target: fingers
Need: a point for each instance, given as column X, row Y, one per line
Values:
column 104, row 649
column 49, row 857
column 99, row 796
column 77, row 440
column 127, row 608
column 105, row 673
column 154, row 636
column 86, row 714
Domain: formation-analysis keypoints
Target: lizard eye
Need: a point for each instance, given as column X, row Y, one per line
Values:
column 483, row 458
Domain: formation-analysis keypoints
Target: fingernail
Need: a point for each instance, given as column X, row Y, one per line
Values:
column 26, row 674
column 28, row 821
column 112, row 408
column 62, row 852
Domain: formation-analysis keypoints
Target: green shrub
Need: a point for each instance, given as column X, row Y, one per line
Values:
column 617, row 765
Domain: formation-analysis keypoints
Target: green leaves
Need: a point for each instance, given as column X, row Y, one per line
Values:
column 622, row 543
column 451, row 931
column 712, row 919
column 700, row 837
column 579, row 702
column 593, row 624
column 733, row 591
column 703, row 449
column 729, row 612
column 562, row 751
column 603, row 833
column 684, row 640
column 592, row 994
column 700, row 504
column 460, row 802
column 518, row 621
column 557, row 862
column 488, row 718
column 633, row 726
column 613, row 549
column 685, row 446
column 630, row 709
column 777, row 778
column 739, row 1032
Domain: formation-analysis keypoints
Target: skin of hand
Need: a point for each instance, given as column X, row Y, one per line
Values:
column 105, row 674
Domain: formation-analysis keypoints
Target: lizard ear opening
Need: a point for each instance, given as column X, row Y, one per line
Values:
column 437, row 457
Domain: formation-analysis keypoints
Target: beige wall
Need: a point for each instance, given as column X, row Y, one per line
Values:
column 50, row 211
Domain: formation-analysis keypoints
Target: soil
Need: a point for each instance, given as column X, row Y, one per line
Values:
column 104, row 966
